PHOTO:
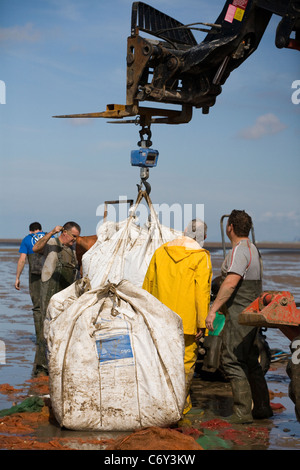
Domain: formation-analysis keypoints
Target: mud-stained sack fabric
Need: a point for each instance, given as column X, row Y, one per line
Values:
column 115, row 359
column 124, row 250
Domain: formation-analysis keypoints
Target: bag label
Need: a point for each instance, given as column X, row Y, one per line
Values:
column 114, row 347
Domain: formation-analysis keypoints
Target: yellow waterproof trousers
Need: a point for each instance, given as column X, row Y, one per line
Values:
column 190, row 357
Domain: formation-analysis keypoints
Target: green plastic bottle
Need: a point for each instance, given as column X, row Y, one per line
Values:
column 218, row 324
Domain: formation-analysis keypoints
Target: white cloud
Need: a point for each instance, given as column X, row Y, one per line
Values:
column 81, row 121
column 26, row 33
column 267, row 124
column 281, row 216
column 113, row 145
column 68, row 10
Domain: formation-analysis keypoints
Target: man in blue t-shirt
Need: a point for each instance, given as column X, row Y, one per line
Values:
column 35, row 261
column 35, row 233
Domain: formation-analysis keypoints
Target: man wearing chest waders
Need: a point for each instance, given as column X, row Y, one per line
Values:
column 60, row 266
column 242, row 284
column 35, row 261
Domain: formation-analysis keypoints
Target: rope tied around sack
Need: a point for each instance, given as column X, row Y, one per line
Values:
column 123, row 241
column 110, row 289
column 82, row 286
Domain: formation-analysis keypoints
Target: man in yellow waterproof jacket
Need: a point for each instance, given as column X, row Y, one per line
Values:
column 179, row 275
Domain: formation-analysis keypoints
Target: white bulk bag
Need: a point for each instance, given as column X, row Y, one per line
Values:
column 115, row 357
column 124, row 250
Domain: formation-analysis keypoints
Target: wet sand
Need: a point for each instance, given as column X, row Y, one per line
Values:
column 212, row 400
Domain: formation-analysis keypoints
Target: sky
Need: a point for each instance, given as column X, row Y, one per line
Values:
column 69, row 56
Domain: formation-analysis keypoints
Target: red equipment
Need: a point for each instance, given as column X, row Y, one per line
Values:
column 273, row 309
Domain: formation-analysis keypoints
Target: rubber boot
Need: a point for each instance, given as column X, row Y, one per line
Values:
column 242, row 402
column 260, row 396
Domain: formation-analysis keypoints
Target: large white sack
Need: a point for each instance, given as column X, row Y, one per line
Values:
column 124, row 250
column 115, row 358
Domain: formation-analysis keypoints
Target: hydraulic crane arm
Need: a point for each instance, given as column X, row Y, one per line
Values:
column 171, row 67
column 175, row 69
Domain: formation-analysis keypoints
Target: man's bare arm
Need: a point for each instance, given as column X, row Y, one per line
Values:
column 39, row 246
column 226, row 290
column 20, row 267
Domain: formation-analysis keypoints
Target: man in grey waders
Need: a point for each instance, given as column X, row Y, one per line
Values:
column 59, row 268
column 242, row 284
column 35, row 261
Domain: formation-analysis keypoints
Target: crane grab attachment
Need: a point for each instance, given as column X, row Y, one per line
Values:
column 176, row 70
column 171, row 68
